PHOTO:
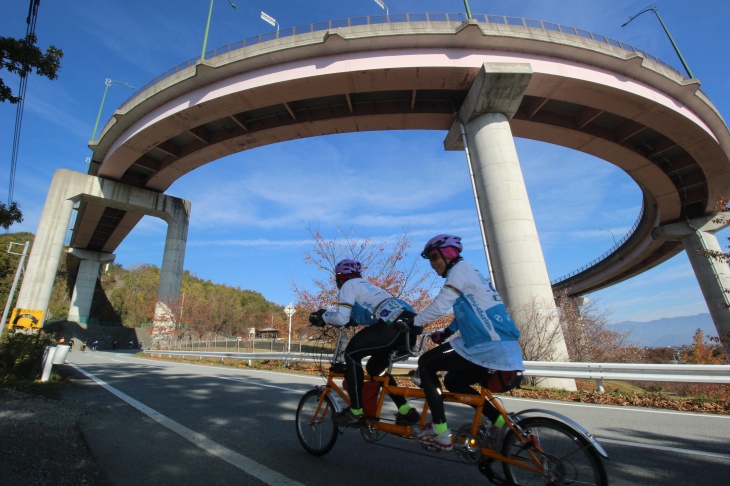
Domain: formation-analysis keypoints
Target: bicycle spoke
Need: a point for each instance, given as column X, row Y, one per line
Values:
column 563, row 455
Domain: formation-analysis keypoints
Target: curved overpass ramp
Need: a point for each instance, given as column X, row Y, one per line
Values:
column 586, row 92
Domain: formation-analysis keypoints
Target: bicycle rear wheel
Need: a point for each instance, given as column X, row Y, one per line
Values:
column 566, row 456
column 315, row 429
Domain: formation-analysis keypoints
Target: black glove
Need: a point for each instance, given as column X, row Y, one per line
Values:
column 405, row 324
column 315, row 318
column 440, row 336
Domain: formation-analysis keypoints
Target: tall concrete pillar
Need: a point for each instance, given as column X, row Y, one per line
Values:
column 713, row 275
column 513, row 245
column 86, row 278
column 35, row 291
column 68, row 188
column 178, row 218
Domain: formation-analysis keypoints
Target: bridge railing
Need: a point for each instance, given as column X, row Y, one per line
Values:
column 681, row 373
column 606, row 254
column 453, row 18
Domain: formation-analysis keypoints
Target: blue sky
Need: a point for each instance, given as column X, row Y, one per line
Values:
column 250, row 210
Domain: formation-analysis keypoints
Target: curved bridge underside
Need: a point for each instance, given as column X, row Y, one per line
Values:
column 596, row 98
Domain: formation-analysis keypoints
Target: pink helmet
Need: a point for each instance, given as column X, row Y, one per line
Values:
column 348, row 267
column 441, row 241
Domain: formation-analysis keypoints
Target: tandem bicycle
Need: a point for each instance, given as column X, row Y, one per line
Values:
column 535, row 446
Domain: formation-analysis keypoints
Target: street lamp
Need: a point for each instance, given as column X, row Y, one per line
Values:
column 108, row 83
column 383, row 6
column 614, row 238
column 656, row 12
column 207, row 27
column 269, row 20
column 468, row 12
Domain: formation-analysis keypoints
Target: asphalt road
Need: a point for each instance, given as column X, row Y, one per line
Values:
column 171, row 423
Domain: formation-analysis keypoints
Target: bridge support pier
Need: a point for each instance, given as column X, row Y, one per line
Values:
column 508, row 225
column 69, row 188
column 86, row 279
column 712, row 275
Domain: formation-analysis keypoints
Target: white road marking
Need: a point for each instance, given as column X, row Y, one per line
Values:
column 242, row 462
column 664, row 448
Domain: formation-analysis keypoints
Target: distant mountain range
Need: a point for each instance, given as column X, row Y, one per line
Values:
column 669, row 331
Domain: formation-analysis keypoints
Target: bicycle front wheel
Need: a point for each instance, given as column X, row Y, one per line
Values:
column 315, row 428
column 564, row 455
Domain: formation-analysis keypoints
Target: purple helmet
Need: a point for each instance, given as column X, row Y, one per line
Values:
column 441, row 241
column 348, row 267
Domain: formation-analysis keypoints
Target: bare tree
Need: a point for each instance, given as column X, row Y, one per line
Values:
column 538, row 334
column 588, row 337
column 386, row 266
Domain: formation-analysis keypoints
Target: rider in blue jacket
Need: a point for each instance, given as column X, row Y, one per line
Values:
column 486, row 349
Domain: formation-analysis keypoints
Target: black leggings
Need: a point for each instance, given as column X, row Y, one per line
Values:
column 466, row 373
column 376, row 341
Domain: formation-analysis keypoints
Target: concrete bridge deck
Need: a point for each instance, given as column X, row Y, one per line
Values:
column 586, row 93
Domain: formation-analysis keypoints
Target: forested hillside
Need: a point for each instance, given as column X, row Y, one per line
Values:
column 128, row 296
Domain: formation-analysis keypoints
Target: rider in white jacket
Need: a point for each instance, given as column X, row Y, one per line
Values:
column 363, row 304
column 485, row 351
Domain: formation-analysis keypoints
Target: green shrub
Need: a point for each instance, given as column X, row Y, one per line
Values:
column 21, row 355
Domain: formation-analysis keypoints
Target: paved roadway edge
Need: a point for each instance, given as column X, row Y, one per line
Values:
column 243, row 463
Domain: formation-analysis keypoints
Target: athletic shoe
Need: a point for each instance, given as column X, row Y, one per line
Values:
column 427, row 435
column 412, row 417
column 348, row 419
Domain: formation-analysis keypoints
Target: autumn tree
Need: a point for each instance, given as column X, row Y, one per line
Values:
column 135, row 300
column 386, row 266
column 205, row 310
column 702, row 352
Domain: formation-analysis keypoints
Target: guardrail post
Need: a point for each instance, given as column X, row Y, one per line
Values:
column 599, row 382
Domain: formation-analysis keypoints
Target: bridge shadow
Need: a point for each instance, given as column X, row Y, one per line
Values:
column 647, row 465
column 250, row 414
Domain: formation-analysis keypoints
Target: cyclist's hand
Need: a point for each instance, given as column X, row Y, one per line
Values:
column 315, row 318
column 405, row 324
column 438, row 337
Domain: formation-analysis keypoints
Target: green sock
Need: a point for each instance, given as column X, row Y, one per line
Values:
column 356, row 411
column 404, row 409
column 499, row 422
column 441, row 428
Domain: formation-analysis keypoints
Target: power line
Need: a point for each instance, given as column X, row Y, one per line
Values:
column 30, row 31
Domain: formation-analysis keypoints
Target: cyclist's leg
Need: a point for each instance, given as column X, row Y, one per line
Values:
column 370, row 341
column 441, row 358
column 461, row 383
column 376, row 365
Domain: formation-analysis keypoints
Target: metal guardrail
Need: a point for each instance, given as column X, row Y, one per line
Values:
column 455, row 18
column 683, row 373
